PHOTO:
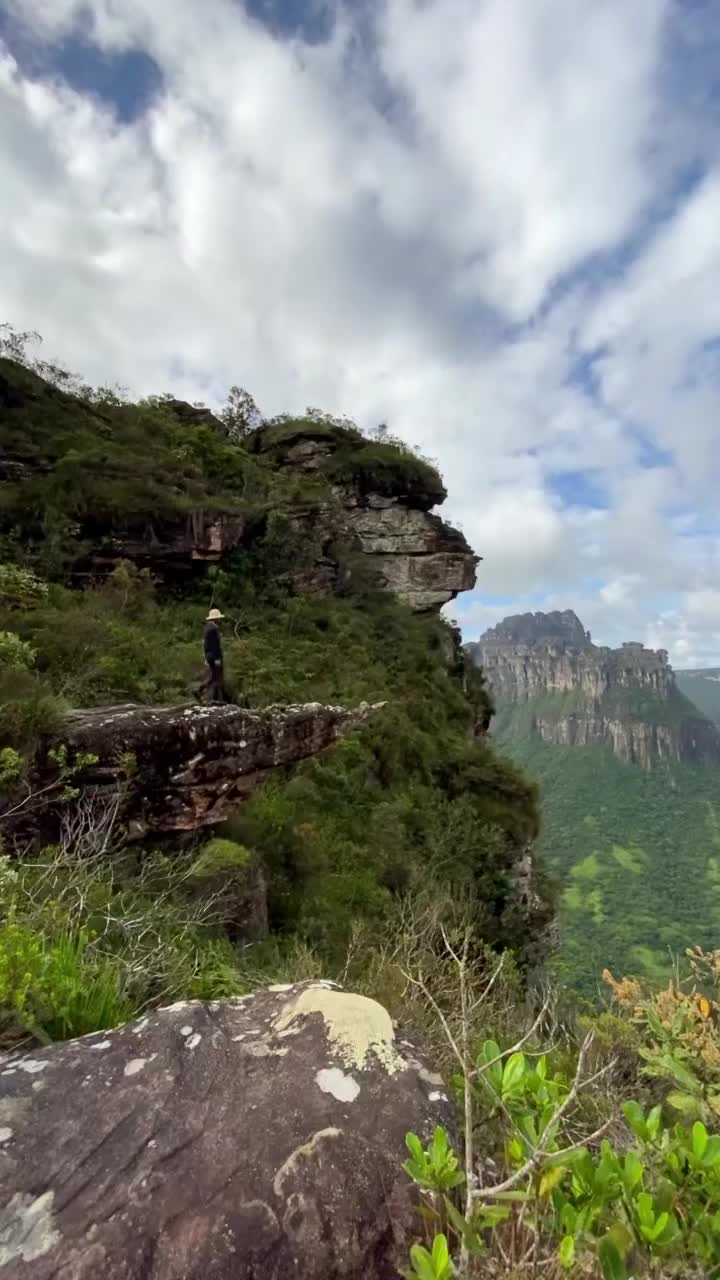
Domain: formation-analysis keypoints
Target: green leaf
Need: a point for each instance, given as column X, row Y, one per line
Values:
column 699, row 1139
column 422, row 1263
column 440, row 1254
column 551, row 1179
column 541, row 1068
column 652, row 1233
column 513, row 1073
column 683, row 1076
column 644, row 1206
column 490, row 1052
column 635, row 1117
column 415, row 1147
column 712, row 1152
column 654, row 1121
column 439, row 1146
column 611, row 1263
column 566, row 1252
column 655, row 1024
column 632, row 1171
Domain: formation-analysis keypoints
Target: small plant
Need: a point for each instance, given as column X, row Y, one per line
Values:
column 432, row 1264
column 435, row 1167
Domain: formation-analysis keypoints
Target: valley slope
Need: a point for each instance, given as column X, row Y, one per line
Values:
column 630, row 777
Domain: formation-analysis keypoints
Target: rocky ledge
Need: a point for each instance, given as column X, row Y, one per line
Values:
column 257, row 1136
column 175, row 768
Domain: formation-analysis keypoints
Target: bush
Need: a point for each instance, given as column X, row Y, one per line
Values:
column 20, row 588
column 28, row 709
column 387, row 469
column 52, row 988
column 220, row 855
column 560, row 1194
column 15, row 654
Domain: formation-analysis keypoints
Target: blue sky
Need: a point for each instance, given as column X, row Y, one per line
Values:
column 491, row 223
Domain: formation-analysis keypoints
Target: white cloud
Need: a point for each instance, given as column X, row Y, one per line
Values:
column 448, row 221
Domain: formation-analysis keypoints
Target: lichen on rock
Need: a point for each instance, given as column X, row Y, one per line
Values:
column 222, row 1140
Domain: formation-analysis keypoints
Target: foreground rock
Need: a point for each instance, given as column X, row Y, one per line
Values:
column 248, row 1138
column 180, row 768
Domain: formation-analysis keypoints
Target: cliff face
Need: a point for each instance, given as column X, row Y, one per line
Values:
column 161, row 769
column 380, row 513
column 164, row 487
column 578, row 693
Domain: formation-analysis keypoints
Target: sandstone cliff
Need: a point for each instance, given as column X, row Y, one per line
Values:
column 162, row 769
column 169, row 491
column 575, row 692
column 376, row 509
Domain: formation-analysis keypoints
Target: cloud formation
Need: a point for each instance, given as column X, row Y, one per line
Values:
column 490, row 223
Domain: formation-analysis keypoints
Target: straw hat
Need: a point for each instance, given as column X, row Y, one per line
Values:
column 215, row 616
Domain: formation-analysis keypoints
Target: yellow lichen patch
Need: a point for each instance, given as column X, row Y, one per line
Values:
column 356, row 1027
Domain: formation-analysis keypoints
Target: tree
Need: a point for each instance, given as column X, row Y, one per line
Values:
column 240, row 414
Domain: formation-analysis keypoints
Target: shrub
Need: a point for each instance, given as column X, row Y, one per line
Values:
column 20, row 588
column 680, row 1036
column 374, row 467
column 15, row 654
column 11, row 765
column 52, row 988
column 220, row 855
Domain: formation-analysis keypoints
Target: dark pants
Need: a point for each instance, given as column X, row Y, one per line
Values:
column 214, row 683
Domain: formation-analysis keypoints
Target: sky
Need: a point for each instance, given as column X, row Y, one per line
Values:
column 492, row 224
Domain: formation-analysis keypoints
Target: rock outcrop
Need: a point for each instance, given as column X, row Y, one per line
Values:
column 578, row 692
column 166, row 769
column 257, row 1137
column 340, row 491
column 405, row 548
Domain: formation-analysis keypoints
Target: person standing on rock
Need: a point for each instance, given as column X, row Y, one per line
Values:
column 212, row 649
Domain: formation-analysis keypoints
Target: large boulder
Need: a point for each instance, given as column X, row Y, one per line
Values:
column 260, row 1137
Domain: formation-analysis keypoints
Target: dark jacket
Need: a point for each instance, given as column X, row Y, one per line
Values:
column 212, row 644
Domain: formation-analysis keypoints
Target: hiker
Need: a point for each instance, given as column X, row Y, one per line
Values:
column 212, row 648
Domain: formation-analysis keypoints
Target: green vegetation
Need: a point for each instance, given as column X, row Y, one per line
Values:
column 412, row 807
column 389, row 862
column 637, row 853
column 605, row 1153
column 702, row 687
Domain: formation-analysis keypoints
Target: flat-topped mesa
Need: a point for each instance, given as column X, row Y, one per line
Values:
column 539, row 629
column 376, row 498
column 581, row 692
column 164, row 769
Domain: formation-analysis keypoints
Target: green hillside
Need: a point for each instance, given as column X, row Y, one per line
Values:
column 637, row 853
column 413, row 807
column 702, row 686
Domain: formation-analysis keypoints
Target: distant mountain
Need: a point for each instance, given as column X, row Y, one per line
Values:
column 630, row 775
column 547, row 675
column 702, row 686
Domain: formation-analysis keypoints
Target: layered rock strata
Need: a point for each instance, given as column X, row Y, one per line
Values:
column 579, row 693
column 162, row 769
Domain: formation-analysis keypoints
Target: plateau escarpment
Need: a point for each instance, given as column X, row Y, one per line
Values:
column 545, row 668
